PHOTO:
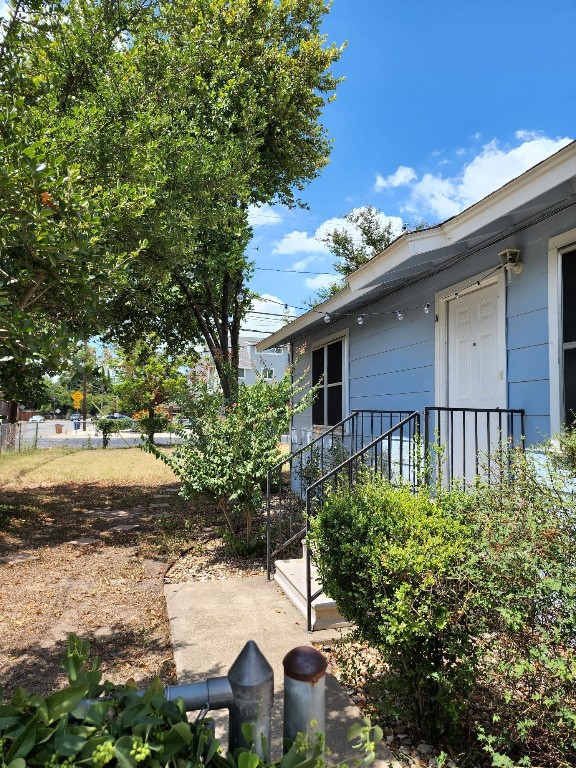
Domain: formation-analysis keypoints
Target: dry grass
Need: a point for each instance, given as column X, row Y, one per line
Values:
column 125, row 466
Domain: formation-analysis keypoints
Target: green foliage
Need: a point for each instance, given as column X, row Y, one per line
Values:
column 387, row 557
column 367, row 233
column 564, row 453
column 108, row 427
column 523, row 570
column 226, row 454
column 123, row 728
column 90, row 724
column 470, row 599
column 320, row 460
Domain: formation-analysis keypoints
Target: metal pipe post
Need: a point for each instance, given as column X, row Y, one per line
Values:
column 304, row 692
column 252, row 682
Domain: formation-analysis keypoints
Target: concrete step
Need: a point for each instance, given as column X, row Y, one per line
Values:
column 291, row 577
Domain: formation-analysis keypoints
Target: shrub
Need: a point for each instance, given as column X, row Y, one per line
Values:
column 389, row 557
column 111, row 427
column 470, row 599
column 225, row 455
column 523, row 567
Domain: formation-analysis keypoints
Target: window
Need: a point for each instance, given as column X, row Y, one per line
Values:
column 241, row 373
column 267, row 373
column 569, row 335
column 328, row 368
column 274, row 351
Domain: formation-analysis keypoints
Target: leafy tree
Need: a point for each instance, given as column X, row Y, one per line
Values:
column 149, row 376
column 57, row 249
column 234, row 98
column 369, row 233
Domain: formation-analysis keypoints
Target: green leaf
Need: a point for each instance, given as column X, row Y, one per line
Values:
column 122, row 750
column 24, row 742
column 64, row 702
column 248, row 760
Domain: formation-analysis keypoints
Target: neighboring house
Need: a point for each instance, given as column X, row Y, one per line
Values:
column 477, row 312
column 271, row 364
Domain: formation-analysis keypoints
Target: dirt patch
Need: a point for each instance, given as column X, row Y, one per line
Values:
column 98, row 554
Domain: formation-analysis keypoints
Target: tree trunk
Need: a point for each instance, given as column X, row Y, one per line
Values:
column 12, row 416
column 150, row 429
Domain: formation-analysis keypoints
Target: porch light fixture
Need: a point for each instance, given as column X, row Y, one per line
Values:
column 360, row 320
column 327, row 318
column 511, row 262
column 426, row 308
column 240, row 298
column 399, row 315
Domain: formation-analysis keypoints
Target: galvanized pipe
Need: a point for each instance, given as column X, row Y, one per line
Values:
column 252, row 683
column 304, row 692
column 214, row 693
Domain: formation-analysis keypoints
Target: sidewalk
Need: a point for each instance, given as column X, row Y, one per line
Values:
column 211, row 621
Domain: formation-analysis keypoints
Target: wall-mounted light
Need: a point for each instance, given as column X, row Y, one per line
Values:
column 511, row 261
column 399, row 315
column 327, row 318
column 426, row 308
column 360, row 319
column 240, row 298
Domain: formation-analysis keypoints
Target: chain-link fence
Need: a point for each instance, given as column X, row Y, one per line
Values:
column 27, row 435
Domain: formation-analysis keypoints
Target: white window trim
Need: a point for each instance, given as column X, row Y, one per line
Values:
column 345, row 336
column 441, row 333
column 267, row 373
column 556, row 247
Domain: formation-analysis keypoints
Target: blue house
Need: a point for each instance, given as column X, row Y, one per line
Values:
column 465, row 331
column 477, row 312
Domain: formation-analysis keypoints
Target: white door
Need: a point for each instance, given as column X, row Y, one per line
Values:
column 475, row 380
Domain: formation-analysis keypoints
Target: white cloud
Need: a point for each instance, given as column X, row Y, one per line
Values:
column 302, row 242
column 263, row 216
column 402, row 177
column 303, row 264
column 274, row 308
column 320, row 281
column 490, row 169
column 299, row 242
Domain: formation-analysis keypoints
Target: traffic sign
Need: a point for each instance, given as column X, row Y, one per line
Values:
column 77, row 397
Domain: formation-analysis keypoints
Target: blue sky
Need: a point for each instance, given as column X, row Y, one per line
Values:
column 443, row 102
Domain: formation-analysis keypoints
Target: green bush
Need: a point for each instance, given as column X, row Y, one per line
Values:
column 470, row 600
column 523, row 568
column 225, row 455
column 109, row 427
column 389, row 558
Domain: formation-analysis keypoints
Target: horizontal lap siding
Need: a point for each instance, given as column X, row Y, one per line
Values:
column 527, row 336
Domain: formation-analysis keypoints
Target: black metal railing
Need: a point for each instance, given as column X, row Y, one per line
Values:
column 288, row 480
column 466, row 443
column 395, row 455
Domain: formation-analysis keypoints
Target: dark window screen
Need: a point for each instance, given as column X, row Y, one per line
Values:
column 334, row 372
column 334, row 404
column 318, row 407
column 569, row 296
column 317, row 367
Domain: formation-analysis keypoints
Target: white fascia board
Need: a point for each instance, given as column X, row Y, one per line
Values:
column 548, row 174
column 408, row 245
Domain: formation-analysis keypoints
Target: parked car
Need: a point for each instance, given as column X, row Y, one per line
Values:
column 76, row 417
column 36, row 418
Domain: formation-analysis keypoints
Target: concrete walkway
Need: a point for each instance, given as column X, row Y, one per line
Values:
column 211, row 621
